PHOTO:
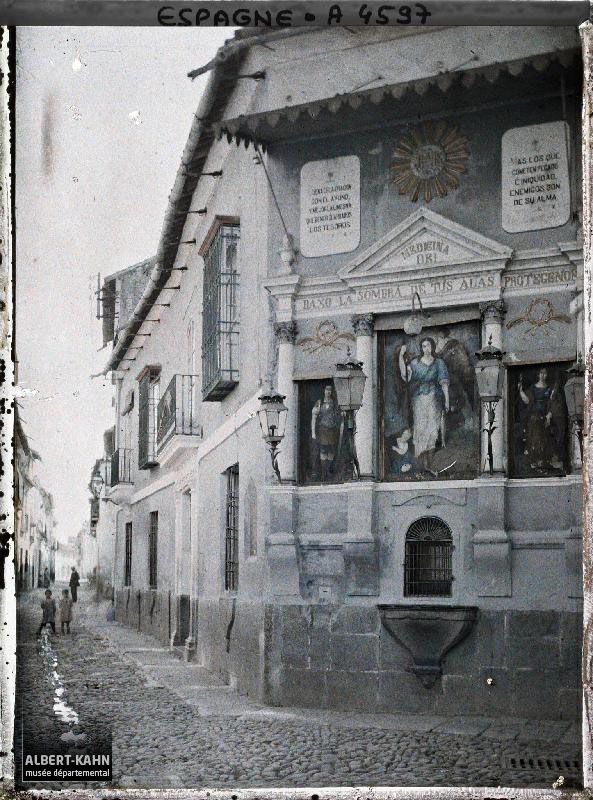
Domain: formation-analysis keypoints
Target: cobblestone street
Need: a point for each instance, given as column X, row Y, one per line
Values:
column 175, row 725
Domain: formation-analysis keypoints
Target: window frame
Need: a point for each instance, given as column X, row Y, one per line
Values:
column 153, row 541
column 231, row 537
column 432, row 546
column 148, row 400
column 128, row 532
column 221, row 301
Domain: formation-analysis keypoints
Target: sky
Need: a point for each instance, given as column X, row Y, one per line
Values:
column 102, row 117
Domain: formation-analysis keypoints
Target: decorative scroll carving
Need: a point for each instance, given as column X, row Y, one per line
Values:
column 538, row 314
column 325, row 335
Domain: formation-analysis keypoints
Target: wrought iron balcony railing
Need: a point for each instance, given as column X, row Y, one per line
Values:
column 94, row 509
column 177, row 409
column 121, row 466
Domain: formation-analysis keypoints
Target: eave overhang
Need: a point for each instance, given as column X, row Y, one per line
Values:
column 299, row 121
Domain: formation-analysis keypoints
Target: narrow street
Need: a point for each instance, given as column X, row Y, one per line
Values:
column 175, row 725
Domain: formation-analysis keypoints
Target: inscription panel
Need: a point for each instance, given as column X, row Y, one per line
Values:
column 535, row 178
column 330, row 206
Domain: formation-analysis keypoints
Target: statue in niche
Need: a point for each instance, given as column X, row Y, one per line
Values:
column 543, row 426
column 326, row 422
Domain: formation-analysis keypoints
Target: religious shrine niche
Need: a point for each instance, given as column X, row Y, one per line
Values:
column 429, row 420
column 538, row 429
column 322, row 447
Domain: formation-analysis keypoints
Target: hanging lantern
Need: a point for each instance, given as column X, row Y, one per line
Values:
column 349, row 383
column 574, row 391
column 413, row 324
column 489, row 372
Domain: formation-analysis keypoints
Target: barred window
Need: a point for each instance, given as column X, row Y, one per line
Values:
column 128, row 556
column 220, row 321
column 231, row 553
column 428, row 560
column 153, row 534
column 148, row 401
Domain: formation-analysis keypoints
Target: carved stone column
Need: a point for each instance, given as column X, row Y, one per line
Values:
column 286, row 335
column 492, row 318
column 363, row 326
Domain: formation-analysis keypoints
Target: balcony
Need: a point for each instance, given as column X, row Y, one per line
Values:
column 120, row 483
column 178, row 431
column 94, row 510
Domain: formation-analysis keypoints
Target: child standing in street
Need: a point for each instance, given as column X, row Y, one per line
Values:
column 65, row 611
column 49, row 612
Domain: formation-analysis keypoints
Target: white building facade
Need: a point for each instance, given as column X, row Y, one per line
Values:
column 434, row 171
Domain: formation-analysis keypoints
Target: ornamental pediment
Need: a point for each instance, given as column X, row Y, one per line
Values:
column 424, row 241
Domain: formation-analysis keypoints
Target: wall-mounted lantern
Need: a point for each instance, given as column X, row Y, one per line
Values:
column 490, row 379
column 574, row 391
column 272, row 420
column 349, row 383
column 96, row 484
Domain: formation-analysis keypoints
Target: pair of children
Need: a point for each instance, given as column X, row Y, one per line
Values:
column 49, row 612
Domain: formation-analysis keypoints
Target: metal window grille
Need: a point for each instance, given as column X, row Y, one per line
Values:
column 220, row 334
column 153, row 533
column 428, row 566
column 148, row 398
column 128, row 556
column 231, row 555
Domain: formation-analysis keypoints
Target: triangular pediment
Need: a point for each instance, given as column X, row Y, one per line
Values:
column 425, row 240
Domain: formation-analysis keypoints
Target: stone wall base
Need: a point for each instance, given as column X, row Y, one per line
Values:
column 513, row 663
column 524, row 664
column 148, row 611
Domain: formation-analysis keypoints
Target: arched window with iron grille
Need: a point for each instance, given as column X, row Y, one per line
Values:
column 428, row 569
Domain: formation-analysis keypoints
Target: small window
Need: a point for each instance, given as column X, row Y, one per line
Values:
column 148, row 400
column 428, row 561
column 231, row 551
column 220, row 321
column 153, row 535
column 128, row 556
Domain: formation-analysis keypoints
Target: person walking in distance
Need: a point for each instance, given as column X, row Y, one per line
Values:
column 49, row 612
column 65, row 611
column 74, row 584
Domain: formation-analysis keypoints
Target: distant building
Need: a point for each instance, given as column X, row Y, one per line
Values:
column 67, row 556
column 34, row 516
column 410, row 197
column 103, row 519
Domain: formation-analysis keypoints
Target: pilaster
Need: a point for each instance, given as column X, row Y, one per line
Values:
column 363, row 327
column 285, row 333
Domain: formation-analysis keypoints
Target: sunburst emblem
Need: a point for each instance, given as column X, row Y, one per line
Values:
column 428, row 162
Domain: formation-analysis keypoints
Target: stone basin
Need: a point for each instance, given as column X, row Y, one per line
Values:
column 428, row 633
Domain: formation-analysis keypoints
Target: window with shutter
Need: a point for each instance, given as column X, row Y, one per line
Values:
column 220, row 320
column 128, row 556
column 148, row 400
column 231, row 557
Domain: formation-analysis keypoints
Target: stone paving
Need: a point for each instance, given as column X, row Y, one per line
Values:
column 176, row 725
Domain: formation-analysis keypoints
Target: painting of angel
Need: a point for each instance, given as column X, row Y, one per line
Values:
column 430, row 422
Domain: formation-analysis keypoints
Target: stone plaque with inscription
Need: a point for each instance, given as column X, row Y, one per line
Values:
column 330, row 206
column 535, row 178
